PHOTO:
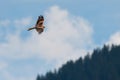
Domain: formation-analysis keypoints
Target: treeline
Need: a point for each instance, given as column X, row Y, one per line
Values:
column 103, row 64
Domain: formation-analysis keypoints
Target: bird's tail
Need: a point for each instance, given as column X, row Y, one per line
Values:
column 31, row 28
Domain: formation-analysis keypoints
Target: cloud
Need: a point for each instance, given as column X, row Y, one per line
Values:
column 4, row 23
column 114, row 39
column 3, row 65
column 65, row 37
column 23, row 22
column 14, row 26
column 8, row 76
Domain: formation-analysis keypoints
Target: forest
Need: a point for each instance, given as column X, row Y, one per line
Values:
column 103, row 64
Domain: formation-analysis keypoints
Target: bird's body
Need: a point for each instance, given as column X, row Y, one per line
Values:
column 39, row 25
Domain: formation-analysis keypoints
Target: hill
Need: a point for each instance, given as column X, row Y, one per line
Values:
column 103, row 64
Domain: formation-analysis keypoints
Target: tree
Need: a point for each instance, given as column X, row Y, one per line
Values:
column 103, row 64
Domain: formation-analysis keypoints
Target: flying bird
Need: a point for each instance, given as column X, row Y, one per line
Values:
column 39, row 25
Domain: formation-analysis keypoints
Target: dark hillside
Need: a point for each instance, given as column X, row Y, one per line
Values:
column 103, row 64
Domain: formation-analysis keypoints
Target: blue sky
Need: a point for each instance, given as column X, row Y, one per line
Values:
column 73, row 28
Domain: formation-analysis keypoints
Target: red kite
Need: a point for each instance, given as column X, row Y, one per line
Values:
column 39, row 25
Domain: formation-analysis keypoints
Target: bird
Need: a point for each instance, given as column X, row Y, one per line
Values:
column 39, row 25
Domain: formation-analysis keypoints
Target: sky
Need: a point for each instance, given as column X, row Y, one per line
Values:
column 73, row 28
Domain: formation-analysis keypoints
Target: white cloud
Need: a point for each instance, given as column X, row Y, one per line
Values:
column 21, row 23
column 4, row 22
column 65, row 37
column 3, row 65
column 114, row 39
column 8, row 76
